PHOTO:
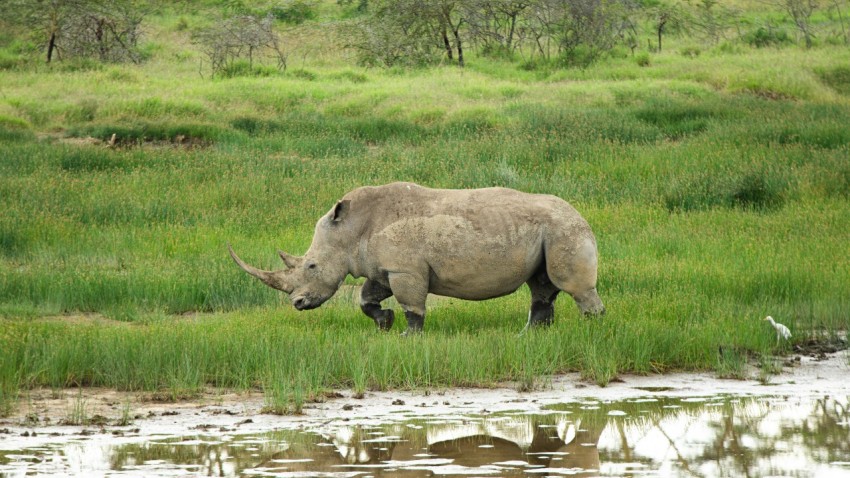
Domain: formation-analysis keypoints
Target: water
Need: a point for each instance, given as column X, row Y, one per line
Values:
column 700, row 436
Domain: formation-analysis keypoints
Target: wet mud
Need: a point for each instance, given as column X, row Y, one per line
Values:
column 665, row 425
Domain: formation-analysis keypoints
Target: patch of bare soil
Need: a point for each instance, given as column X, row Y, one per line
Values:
column 80, row 319
column 87, row 141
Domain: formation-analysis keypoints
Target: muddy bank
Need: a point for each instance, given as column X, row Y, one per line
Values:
column 671, row 425
column 72, row 412
column 796, row 424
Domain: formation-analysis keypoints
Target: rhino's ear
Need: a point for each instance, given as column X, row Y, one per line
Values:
column 341, row 210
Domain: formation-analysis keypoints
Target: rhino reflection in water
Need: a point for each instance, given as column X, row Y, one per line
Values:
column 408, row 241
column 561, row 444
column 547, row 440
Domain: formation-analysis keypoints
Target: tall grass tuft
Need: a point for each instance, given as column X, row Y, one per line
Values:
column 756, row 190
column 78, row 412
column 731, row 363
column 836, row 77
column 10, row 384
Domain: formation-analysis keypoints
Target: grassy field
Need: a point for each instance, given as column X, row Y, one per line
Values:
column 718, row 187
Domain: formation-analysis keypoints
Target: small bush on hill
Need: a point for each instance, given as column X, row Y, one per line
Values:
column 294, row 13
column 763, row 37
column 233, row 46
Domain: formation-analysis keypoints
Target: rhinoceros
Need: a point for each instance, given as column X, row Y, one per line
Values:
column 476, row 244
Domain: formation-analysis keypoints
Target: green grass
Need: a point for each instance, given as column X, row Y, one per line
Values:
column 286, row 354
column 717, row 186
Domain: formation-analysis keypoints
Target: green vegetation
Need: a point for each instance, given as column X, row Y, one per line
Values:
column 717, row 185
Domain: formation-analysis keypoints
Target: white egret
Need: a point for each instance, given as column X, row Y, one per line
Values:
column 782, row 332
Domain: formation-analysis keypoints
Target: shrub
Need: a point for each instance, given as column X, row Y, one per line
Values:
column 231, row 43
column 351, row 76
column 107, row 33
column 498, row 52
column 10, row 61
column 294, row 13
column 303, row 74
column 533, row 64
column 642, row 59
column 182, row 24
column 245, row 68
column 97, row 30
column 580, row 56
column 75, row 65
column 767, row 36
column 384, row 41
column 254, row 126
column 590, row 29
column 691, row 51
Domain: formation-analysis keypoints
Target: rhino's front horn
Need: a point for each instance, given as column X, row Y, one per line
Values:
column 273, row 279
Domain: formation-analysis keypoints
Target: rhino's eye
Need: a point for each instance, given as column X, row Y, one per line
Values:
column 311, row 266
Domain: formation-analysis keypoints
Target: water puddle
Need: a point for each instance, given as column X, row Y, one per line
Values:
column 651, row 436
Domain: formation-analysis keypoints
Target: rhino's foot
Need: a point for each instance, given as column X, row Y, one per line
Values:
column 542, row 314
column 412, row 333
column 383, row 318
column 385, row 321
column 590, row 304
column 415, row 323
column 595, row 314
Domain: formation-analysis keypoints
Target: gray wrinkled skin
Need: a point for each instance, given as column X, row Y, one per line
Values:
column 477, row 244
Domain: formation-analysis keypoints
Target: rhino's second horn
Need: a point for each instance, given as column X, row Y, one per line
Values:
column 274, row 279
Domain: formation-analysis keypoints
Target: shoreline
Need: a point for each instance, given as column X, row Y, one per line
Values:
column 40, row 413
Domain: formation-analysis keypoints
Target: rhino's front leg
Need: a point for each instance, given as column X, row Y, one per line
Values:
column 371, row 296
column 411, row 291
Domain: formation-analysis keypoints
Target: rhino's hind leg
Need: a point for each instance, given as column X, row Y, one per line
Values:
column 371, row 296
column 543, row 295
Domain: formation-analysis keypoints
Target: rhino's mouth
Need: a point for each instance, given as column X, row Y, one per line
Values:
column 306, row 303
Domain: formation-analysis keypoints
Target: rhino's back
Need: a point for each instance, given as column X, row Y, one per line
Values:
column 490, row 206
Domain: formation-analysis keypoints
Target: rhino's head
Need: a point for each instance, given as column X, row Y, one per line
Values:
column 314, row 278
